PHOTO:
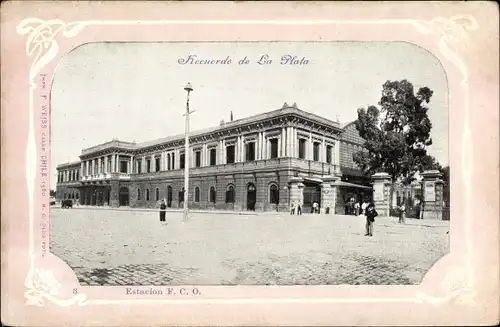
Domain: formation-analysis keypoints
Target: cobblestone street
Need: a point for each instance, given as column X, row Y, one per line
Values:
column 119, row 247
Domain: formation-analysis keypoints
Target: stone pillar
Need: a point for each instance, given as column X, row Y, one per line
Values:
column 336, row 156
column 258, row 146
column 153, row 163
column 223, row 152
column 105, row 164
column 295, row 153
column 280, row 145
column 99, row 165
column 264, row 146
column 177, row 159
column 242, row 152
column 433, row 194
column 237, row 150
column 82, row 167
column 113, row 158
column 381, row 192
column 310, row 148
column 328, row 194
column 268, row 149
column 296, row 191
column 162, row 161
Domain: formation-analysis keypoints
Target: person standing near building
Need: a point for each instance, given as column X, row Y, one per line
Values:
column 356, row 208
column 402, row 212
column 163, row 212
column 363, row 207
column 371, row 213
column 299, row 209
column 292, row 209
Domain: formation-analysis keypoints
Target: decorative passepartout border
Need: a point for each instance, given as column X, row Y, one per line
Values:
column 42, row 46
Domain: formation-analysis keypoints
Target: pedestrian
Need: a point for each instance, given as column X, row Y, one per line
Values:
column 356, row 208
column 402, row 209
column 299, row 209
column 363, row 207
column 292, row 209
column 163, row 212
column 371, row 213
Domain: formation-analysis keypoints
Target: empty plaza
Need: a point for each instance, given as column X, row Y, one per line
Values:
column 131, row 247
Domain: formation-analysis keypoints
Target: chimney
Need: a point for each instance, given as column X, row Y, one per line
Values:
column 231, row 115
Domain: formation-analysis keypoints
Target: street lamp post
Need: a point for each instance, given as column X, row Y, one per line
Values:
column 188, row 88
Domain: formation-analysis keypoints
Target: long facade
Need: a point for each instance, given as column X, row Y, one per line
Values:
column 262, row 163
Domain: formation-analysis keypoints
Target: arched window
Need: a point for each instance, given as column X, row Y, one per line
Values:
column 274, row 194
column 213, row 194
column 157, row 194
column 138, row 194
column 230, row 194
column 197, row 194
column 147, row 194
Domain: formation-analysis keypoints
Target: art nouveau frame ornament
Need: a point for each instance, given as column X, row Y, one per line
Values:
column 451, row 33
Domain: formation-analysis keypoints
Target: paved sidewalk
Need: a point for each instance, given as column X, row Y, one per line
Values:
column 119, row 247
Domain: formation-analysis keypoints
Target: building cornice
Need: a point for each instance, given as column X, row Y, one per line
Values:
column 284, row 117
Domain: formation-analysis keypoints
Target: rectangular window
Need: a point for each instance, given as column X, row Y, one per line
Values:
column 274, row 148
column 168, row 162
column 182, row 161
column 138, row 165
column 197, row 157
column 230, row 154
column 173, row 161
column 316, row 151
column 148, row 165
column 329, row 149
column 123, row 166
column 213, row 157
column 157, row 164
column 250, row 151
column 302, row 148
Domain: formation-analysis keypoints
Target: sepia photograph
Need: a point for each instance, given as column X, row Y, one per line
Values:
column 237, row 163
column 297, row 163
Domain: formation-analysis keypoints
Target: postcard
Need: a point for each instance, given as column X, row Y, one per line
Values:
column 244, row 163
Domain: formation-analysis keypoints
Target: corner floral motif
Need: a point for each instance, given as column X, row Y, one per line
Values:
column 42, row 285
column 452, row 30
column 42, row 42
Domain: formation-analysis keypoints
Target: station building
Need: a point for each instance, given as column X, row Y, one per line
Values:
column 264, row 163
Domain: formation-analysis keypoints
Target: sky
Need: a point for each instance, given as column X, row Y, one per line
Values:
column 135, row 91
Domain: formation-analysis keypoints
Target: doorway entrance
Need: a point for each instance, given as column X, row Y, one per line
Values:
column 251, row 196
column 124, row 197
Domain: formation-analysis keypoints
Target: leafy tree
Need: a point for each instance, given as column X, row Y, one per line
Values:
column 397, row 134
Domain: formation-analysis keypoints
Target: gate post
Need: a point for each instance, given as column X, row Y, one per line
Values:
column 296, row 191
column 114, row 194
column 328, row 194
column 433, row 194
column 381, row 192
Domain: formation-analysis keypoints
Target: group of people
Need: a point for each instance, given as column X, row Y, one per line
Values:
column 296, row 208
column 355, row 207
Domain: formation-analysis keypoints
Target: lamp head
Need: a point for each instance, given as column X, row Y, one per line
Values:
column 188, row 87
